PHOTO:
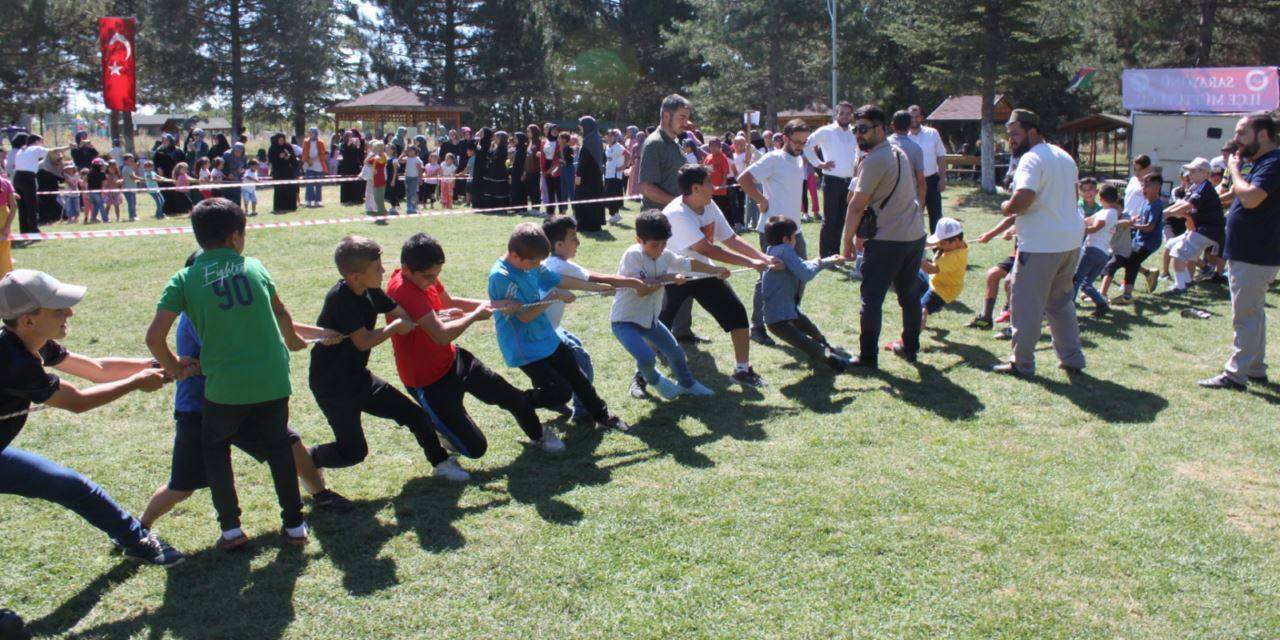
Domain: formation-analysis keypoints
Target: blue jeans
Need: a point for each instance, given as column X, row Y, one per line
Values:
column 584, row 362
column 70, row 207
column 159, row 198
column 411, row 194
column 98, row 204
column 566, row 186
column 131, row 201
column 313, row 190
column 753, row 214
column 640, row 343
column 26, row 474
column 1092, row 262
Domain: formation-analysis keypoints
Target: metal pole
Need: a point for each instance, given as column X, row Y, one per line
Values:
column 831, row 10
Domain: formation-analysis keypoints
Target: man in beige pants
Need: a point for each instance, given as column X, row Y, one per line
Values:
column 1049, row 232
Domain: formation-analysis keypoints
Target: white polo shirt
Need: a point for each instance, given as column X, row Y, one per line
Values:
column 930, row 142
column 782, row 177
column 1052, row 224
column 838, row 145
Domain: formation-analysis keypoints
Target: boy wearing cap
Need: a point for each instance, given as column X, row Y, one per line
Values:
column 35, row 308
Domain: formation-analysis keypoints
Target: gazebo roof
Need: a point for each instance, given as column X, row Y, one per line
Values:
column 969, row 109
column 811, row 111
column 398, row 99
column 1097, row 122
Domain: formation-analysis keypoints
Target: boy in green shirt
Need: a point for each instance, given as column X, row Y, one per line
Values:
column 246, row 334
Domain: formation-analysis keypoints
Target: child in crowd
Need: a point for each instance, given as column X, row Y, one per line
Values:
column 204, row 176
column 448, row 171
column 471, row 179
column 391, row 194
column 943, row 277
column 96, row 179
column 562, row 233
column 185, row 195
column 690, row 151
column 434, row 170
column 780, row 293
column 525, row 335
column 216, row 176
column 1147, row 227
column 375, row 191
column 439, row 374
column 264, row 167
column 249, row 192
column 71, row 201
column 1098, row 228
column 246, row 334
column 995, row 276
column 340, row 378
column 114, row 181
column 186, row 474
column 152, row 181
column 129, row 180
column 413, row 178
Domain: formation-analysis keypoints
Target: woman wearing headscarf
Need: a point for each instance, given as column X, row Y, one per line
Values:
column 424, row 154
column 589, row 178
column 516, row 172
column 50, row 175
column 353, row 154
column 497, row 175
column 220, row 147
column 166, row 159
column 395, row 149
column 234, row 163
column 532, row 175
column 479, row 194
column 283, row 163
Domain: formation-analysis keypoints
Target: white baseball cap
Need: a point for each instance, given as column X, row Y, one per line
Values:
column 947, row 228
column 1199, row 164
column 26, row 290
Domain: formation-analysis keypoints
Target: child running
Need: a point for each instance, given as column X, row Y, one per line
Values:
column 448, row 171
column 780, row 293
column 943, row 277
column 1099, row 229
column 1146, row 227
column 249, row 192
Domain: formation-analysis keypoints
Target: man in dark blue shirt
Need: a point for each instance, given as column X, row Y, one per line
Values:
column 1252, row 249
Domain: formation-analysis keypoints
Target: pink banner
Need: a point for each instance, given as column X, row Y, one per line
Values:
column 1217, row 90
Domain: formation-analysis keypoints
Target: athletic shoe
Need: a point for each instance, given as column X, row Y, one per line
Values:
column 1003, row 317
column 1173, row 292
column 639, row 388
column 696, row 389
column 900, row 350
column 331, row 500
column 859, row 363
column 749, row 378
column 550, row 442
column 230, row 544
column 1221, row 381
column 1008, row 368
column 837, row 364
column 449, row 470
column 666, row 387
column 1004, row 334
column 980, row 322
column 762, row 338
column 151, row 549
column 615, row 219
column 840, row 352
column 614, row 422
column 693, row 338
column 1165, row 276
column 298, row 540
column 1122, row 299
column 1152, row 279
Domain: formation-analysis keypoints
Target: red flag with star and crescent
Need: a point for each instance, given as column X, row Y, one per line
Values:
column 119, row 68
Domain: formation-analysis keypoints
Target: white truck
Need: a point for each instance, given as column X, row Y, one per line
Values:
column 1174, row 139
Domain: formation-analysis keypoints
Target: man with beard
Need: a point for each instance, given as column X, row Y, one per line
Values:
column 935, row 163
column 839, row 155
column 1252, row 249
column 781, row 172
column 1049, row 230
column 884, row 194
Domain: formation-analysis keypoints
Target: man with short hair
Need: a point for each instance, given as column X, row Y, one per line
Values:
column 935, row 163
column 839, row 156
column 901, row 139
column 1252, row 250
column 1049, row 229
column 893, row 236
column 781, row 173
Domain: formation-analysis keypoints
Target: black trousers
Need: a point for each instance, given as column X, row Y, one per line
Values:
column 442, row 401
column 613, row 188
column 726, row 204
column 553, row 194
column 887, row 263
column 380, row 400
column 557, row 378
column 933, row 201
column 1132, row 265
column 24, row 182
column 835, row 202
column 265, row 426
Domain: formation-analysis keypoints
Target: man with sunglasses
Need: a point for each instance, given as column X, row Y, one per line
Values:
column 839, row 155
column 885, row 193
column 781, row 173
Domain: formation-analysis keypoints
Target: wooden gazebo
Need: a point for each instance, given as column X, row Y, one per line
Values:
column 815, row 115
column 1092, row 125
column 398, row 105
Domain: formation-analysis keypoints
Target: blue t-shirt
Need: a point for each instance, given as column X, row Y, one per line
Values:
column 1151, row 213
column 523, row 342
column 1253, row 235
column 190, row 393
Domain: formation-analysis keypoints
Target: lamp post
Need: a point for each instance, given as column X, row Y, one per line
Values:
column 831, row 11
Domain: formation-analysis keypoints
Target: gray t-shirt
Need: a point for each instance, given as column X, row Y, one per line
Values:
column 660, row 162
column 910, row 148
column 885, row 173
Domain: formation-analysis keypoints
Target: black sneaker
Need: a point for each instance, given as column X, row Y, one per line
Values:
column 12, row 626
column 614, row 422
column 693, row 338
column 1221, row 381
column 331, row 500
column 864, row 363
column 153, row 550
column 639, row 388
column 900, row 350
column 980, row 322
column 749, row 378
column 762, row 338
column 837, row 364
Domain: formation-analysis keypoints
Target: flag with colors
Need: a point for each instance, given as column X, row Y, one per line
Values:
column 1083, row 77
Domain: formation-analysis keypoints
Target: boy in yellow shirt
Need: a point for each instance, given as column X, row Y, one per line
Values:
column 943, row 277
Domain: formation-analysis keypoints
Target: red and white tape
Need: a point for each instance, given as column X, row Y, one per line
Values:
column 214, row 186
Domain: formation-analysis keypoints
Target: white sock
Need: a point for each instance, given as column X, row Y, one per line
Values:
column 742, row 367
column 232, row 534
column 1181, row 278
column 298, row 531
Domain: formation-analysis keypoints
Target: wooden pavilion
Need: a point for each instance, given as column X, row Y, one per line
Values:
column 400, row 106
column 1092, row 125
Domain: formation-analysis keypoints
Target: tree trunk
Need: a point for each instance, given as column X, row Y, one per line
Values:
column 990, row 54
column 771, row 91
column 450, row 47
column 299, row 118
column 128, row 131
column 113, row 121
column 1204, row 42
column 237, row 91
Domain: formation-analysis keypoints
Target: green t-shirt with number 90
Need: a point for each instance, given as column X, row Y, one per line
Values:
column 228, row 299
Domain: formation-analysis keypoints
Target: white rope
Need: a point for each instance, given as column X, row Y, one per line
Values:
column 18, row 414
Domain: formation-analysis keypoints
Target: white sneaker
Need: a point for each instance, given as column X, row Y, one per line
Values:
column 449, row 470
column 615, row 218
column 696, row 389
column 550, row 442
column 666, row 388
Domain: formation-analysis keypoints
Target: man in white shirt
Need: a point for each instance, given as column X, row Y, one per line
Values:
column 615, row 158
column 700, row 232
column 935, row 163
column 781, row 173
column 839, row 156
column 1049, row 230
column 25, row 164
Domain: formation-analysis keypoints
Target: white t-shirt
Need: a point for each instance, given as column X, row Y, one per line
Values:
column 412, row 167
column 1052, row 223
column 613, row 160
column 29, row 158
column 448, row 170
column 930, row 142
column 316, row 163
column 1133, row 198
column 1101, row 238
column 689, row 228
column 782, row 177
column 556, row 264
column 630, row 306
column 743, row 159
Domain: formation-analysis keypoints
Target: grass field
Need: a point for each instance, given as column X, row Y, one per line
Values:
column 924, row 501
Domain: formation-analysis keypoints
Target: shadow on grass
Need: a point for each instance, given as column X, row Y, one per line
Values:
column 71, row 612
column 934, row 391
column 1106, row 400
column 216, row 595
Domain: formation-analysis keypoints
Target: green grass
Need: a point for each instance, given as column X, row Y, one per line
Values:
column 925, row 501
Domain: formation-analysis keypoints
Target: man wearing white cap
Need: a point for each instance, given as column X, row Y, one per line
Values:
column 1049, row 232
column 1206, row 225
column 35, row 308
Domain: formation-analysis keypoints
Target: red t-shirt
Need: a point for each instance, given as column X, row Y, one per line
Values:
column 379, row 171
column 419, row 360
column 719, row 164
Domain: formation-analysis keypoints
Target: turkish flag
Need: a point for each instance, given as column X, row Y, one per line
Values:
column 119, row 71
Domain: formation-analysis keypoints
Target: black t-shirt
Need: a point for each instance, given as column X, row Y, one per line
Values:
column 1207, row 210
column 342, row 368
column 23, row 380
column 1253, row 235
column 83, row 156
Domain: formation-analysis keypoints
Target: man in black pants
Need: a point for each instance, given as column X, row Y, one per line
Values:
column 839, row 155
column 894, row 247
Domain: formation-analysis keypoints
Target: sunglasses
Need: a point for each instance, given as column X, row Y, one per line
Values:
column 862, row 129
